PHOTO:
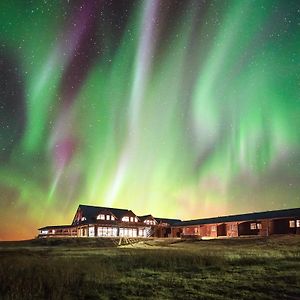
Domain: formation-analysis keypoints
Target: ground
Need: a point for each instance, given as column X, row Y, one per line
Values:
column 243, row 268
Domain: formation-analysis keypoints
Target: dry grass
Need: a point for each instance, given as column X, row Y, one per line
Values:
column 159, row 269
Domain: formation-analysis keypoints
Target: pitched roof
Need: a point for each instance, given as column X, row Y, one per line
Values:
column 56, row 227
column 293, row 212
column 143, row 218
column 90, row 212
column 166, row 220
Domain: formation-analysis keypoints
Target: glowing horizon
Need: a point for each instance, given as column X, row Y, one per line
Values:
column 179, row 109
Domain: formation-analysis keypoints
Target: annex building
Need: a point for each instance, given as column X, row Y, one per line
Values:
column 97, row 221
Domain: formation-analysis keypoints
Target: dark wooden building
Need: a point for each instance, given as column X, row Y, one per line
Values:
column 97, row 221
column 286, row 221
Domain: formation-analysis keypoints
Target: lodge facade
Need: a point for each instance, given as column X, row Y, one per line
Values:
column 95, row 221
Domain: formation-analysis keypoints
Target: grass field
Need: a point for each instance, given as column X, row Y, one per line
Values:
column 256, row 268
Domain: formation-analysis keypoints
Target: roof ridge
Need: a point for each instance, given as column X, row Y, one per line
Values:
column 87, row 205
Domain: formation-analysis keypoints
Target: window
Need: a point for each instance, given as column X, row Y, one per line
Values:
column 130, row 232
column 292, row 223
column 125, row 219
column 131, row 219
column 136, row 219
column 141, row 232
column 83, row 219
column 101, row 217
column 149, row 222
column 107, row 231
column 253, row 226
column 107, row 217
column 92, row 231
column 258, row 225
column 213, row 228
column 298, row 223
column 112, row 218
column 44, row 231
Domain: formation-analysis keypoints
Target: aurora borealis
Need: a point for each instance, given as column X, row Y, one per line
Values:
column 181, row 109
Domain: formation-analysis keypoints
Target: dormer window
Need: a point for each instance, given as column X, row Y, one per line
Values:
column 149, row 222
column 83, row 219
column 101, row 217
column 125, row 219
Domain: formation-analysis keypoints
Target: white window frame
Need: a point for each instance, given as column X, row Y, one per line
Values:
column 253, row 226
column 101, row 217
column 91, row 231
column 292, row 224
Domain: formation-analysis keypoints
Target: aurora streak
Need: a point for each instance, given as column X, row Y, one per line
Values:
column 182, row 109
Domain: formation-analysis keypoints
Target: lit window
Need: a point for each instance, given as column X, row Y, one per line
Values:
column 101, row 217
column 107, row 231
column 136, row 219
column 292, row 224
column 83, row 219
column 44, row 231
column 107, row 217
column 253, row 226
column 131, row 219
column 298, row 223
column 258, row 225
column 92, row 231
column 125, row 219
column 112, row 218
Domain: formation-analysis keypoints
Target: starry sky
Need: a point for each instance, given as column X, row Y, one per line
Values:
column 178, row 108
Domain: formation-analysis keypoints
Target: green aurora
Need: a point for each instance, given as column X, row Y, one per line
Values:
column 180, row 109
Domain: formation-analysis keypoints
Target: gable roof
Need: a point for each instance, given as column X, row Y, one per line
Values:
column 273, row 214
column 145, row 217
column 166, row 220
column 90, row 212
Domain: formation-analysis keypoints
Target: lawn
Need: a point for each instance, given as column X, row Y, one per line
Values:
column 248, row 268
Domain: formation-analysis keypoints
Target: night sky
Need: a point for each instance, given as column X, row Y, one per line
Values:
column 181, row 109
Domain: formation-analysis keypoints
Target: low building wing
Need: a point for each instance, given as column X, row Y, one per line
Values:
column 294, row 212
